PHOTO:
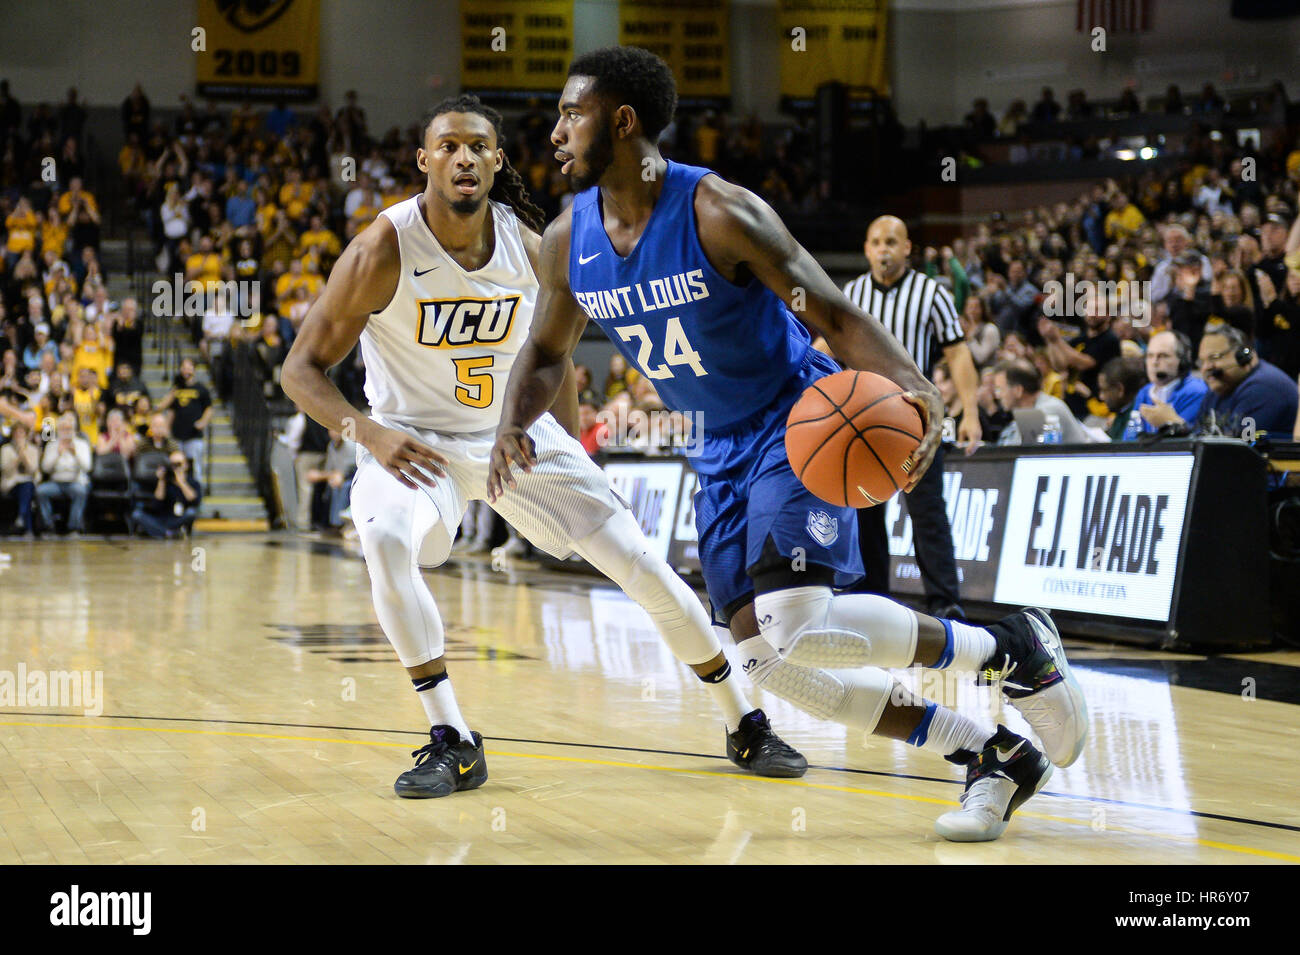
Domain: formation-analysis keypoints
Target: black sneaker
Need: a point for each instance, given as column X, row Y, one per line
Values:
column 1030, row 663
column 756, row 748
column 998, row 781
column 444, row 765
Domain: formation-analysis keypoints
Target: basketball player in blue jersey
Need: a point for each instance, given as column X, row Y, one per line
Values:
column 440, row 291
column 693, row 278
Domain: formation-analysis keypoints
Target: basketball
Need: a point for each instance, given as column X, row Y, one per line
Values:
column 848, row 435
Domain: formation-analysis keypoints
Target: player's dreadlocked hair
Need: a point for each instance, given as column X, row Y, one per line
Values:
column 508, row 186
column 637, row 77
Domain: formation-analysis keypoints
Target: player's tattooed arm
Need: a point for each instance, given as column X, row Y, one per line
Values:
column 363, row 280
column 743, row 237
column 540, row 367
column 565, row 406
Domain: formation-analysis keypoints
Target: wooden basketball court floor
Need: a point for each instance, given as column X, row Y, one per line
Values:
column 252, row 711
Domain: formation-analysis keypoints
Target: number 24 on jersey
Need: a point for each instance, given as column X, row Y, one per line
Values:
column 677, row 349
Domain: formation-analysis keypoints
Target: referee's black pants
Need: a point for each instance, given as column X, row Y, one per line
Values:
column 931, row 536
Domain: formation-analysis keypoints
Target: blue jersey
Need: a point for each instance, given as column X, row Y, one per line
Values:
column 710, row 347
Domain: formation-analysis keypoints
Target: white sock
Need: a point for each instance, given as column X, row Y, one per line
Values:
column 439, row 701
column 725, row 688
column 945, row 731
column 967, row 647
column 756, row 656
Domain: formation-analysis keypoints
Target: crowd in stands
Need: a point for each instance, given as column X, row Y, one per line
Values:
column 267, row 200
column 1160, row 303
column 1038, row 132
column 1047, row 109
column 75, row 416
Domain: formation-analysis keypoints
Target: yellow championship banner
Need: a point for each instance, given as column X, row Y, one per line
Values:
column 692, row 36
column 823, row 41
column 258, row 49
column 515, row 48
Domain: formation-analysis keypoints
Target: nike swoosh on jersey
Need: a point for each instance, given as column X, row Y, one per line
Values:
column 584, row 261
column 418, row 273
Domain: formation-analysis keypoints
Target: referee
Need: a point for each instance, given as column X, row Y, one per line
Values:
column 919, row 312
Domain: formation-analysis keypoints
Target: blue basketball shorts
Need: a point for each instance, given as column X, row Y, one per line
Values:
column 751, row 509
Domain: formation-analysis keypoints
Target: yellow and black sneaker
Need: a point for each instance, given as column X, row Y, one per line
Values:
column 998, row 781
column 444, row 765
column 756, row 748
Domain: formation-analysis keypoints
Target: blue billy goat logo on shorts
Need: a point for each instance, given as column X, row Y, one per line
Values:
column 823, row 528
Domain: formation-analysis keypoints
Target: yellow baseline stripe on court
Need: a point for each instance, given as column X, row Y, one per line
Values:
column 1211, row 844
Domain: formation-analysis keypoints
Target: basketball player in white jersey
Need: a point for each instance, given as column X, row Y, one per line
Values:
column 439, row 291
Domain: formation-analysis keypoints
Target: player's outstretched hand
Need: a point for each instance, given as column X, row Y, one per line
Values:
column 512, row 444
column 930, row 406
column 403, row 456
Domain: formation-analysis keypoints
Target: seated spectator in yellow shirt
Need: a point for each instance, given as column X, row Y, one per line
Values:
column 87, row 402
column 287, row 282
column 131, row 162
column 81, row 211
column 204, row 266
column 264, row 218
column 278, row 246
column 318, row 243
column 77, row 197
column 1124, row 218
column 296, row 195
column 93, row 354
column 22, row 224
column 54, row 233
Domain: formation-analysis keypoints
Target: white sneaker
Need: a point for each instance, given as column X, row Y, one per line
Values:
column 998, row 781
column 1037, row 681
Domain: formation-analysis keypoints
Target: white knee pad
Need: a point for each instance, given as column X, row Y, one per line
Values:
column 619, row 550
column 855, row 698
column 810, row 626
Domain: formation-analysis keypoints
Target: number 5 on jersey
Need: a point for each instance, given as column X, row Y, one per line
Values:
column 475, row 388
column 677, row 350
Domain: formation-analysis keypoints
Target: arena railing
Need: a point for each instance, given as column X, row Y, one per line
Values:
column 251, row 418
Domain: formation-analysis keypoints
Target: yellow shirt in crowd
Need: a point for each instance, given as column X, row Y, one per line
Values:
column 53, row 237
column 294, row 197
column 86, row 405
column 207, row 266
column 65, row 203
column 95, row 357
column 22, row 233
column 1124, row 223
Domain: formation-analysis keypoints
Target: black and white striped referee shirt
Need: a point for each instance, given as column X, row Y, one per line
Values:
column 916, row 309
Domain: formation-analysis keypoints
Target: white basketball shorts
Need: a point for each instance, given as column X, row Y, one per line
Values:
column 563, row 498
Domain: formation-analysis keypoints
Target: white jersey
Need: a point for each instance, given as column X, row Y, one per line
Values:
column 439, row 354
